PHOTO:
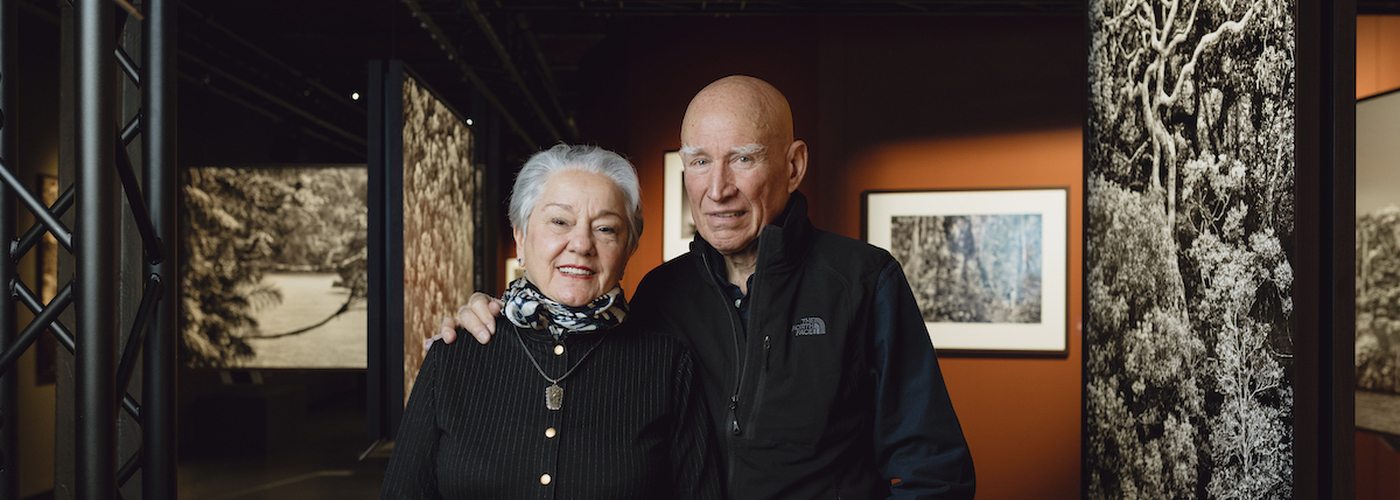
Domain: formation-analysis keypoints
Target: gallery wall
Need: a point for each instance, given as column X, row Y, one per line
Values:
column 891, row 103
column 1377, row 71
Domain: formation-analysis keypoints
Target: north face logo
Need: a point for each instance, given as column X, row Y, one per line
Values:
column 809, row 326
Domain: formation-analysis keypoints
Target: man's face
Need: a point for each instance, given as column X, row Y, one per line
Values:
column 737, row 179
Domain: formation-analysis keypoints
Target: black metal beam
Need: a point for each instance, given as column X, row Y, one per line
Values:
column 150, row 243
column 128, row 65
column 31, row 237
column 215, row 70
column 132, row 128
column 31, row 301
column 489, row 32
column 60, row 231
column 468, row 74
column 36, row 327
column 95, row 259
column 150, row 296
column 158, row 172
column 9, row 389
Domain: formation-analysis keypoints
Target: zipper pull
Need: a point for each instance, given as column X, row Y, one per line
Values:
column 766, row 344
column 733, row 416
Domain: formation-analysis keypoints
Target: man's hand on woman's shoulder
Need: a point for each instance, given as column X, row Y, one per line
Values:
column 477, row 317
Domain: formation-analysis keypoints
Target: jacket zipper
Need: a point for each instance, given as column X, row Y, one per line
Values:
column 734, row 429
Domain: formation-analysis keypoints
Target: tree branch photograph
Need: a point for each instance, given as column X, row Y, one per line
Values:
column 1189, row 241
column 987, row 268
column 273, row 269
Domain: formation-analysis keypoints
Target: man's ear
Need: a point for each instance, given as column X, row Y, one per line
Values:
column 797, row 164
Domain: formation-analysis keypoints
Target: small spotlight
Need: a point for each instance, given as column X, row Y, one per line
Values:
column 355, row 96
column 469, row 122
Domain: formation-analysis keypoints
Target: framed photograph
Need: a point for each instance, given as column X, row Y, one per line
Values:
column 679, row 227
column 988, row 268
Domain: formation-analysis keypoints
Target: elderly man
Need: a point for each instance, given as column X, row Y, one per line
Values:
column 815, row 361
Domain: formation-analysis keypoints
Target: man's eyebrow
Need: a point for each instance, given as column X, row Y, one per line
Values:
column 692, row 150
column 749, row 149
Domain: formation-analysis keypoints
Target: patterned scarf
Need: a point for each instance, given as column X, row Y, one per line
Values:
column 527, row 307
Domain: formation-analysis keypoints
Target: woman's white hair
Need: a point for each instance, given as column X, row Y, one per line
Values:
column 529, row 183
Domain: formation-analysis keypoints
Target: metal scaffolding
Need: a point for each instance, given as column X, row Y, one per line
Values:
column 103, row 173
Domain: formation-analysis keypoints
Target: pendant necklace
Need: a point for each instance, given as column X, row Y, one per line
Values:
column 554, row 394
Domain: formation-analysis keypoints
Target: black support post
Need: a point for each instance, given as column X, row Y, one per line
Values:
column 158, row 96
column 95, row 252
column 9, row 397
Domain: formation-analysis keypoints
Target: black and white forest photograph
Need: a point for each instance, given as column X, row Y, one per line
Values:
column 273, row 270
column 1189, row 250
column 971, row 268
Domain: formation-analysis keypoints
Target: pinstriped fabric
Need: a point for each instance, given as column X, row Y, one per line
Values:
column 632, row 424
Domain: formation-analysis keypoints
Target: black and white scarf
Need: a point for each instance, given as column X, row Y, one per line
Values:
column 527, row 307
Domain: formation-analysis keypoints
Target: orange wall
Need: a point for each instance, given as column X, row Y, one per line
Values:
column 1377, row 54
column 891, row 103
column 1377, row 71
column 1021, row 416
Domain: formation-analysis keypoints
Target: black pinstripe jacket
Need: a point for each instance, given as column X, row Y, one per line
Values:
column 632, row 424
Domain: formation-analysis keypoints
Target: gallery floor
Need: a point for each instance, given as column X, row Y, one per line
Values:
column 323, row 461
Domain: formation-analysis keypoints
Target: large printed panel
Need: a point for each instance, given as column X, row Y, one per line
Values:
column 439, row 219
column 1190, row 250
column 273, row 267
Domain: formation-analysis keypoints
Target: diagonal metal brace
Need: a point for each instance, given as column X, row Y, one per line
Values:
column 31, row 332
column 31, row 237
column 150, row 298
column 128, row 66
column 129, row 468
column 60, row 231
column 31, row 301
column 132, row 128
column 150, row 243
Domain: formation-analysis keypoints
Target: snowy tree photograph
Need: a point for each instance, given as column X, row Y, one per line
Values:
column 1189, row 250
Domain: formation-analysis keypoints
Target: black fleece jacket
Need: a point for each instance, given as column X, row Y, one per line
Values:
column 830, row 387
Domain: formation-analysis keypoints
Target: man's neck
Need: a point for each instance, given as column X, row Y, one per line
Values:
column 740, row 265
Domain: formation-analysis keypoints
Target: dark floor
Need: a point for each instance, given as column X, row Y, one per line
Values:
column 320, row 458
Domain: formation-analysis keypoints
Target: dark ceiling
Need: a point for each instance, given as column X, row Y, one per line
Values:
column 297, row 63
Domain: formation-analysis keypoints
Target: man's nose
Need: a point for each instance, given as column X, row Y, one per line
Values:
column 720, row 183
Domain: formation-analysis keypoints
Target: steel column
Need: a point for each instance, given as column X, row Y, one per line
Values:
column 9, row 397
column 95, row 255
column 158, row 96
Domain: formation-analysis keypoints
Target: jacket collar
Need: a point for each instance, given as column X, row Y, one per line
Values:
column 781, row 245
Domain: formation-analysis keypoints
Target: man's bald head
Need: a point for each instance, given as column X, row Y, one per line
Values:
column 741, row 162
column 742, row 101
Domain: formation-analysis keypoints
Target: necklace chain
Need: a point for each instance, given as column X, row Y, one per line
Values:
column 570, row 371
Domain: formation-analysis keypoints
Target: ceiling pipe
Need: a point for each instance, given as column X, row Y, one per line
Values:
column 359, row 140
column 550, row 84
column 426, row 21
column 273, row 59
column 504, row 55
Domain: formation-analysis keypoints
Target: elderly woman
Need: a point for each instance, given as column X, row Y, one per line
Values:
column 574, row 402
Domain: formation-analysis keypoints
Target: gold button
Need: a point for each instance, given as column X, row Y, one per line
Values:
column 550, row 432
column 559, row 349
column 544, row 479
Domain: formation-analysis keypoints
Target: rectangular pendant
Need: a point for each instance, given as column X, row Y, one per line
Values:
column 554, row 397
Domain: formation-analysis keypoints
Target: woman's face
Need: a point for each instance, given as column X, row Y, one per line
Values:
column 575, row 247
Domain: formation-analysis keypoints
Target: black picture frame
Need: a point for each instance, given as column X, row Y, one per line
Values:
column 1044, row 211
